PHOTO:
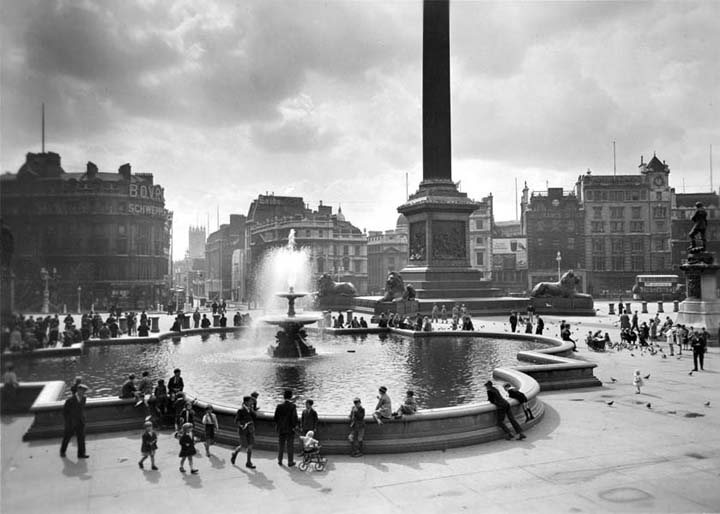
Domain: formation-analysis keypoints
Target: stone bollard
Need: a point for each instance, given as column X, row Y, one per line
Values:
column 660, row 306
column 628, row 309
column 676, row 306
column 123, row 325
column 644, row 307
column 216, row 320
column 185, row 322
column 611, row 308
column 154, row 324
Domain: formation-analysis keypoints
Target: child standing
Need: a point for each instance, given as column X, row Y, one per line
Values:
column 187, row 448
column 308, row 418
column 149, row 445
column 637, row 381
column 211, row 424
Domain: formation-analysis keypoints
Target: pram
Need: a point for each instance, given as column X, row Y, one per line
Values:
column 312, row 457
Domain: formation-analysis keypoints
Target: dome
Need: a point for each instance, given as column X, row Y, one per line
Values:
column 401, row 221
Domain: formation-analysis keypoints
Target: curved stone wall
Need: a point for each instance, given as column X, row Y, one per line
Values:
column 431, row 429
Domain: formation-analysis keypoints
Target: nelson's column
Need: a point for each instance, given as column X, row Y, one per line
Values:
column 438, row 214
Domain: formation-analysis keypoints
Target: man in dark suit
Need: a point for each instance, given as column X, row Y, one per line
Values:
column 286, row 420
column 74, row 414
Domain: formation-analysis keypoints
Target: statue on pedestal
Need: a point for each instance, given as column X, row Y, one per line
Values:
column 699, row 228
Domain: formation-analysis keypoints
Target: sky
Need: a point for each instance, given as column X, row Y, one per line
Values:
column 224, row 100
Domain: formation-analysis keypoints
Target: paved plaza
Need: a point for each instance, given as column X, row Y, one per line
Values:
column 658, row 451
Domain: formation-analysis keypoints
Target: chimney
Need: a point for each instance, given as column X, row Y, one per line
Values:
column 91, row 170
column 125, row 171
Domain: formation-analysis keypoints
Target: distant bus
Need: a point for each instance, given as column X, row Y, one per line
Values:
column 652, row 288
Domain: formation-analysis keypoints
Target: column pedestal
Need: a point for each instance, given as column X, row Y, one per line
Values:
column 702, row 306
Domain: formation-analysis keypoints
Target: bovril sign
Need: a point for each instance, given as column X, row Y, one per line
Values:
column 146, row 192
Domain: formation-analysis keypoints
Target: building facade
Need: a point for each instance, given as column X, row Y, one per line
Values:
column 219, row 249
column 93, row 238
column 627, row 226
column 554, row 224
column 480, row 233
column 386, row 251
column 509, row 257
column 335, row 245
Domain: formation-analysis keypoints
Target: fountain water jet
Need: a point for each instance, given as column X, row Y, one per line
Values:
column 291, row 339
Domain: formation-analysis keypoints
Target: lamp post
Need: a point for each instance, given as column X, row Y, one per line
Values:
column 45, row 275
column 79, row 295
column 558, row 259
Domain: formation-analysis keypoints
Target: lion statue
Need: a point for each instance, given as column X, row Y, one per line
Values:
column 395, row 289
column 565, row 288
column 328, row 287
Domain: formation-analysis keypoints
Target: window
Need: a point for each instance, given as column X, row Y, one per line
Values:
column 479, row 224
column 616, row 246
column 637, row 246
column 598, row 263
column 480, row 258
column 571, row 243
column 307, row 233
column 346, row 250
column 637, row 262
column 659, row 245
column 617, row 262
column 617, row 212
column 598, row 246
column 659, row 262
column 659, row 212
column 597, row 213
column 480, row 240
column 635, row 195
column 637, row 226
column 617, row 226
column 636, row 211
column 597, row 227
column 658, row 195
column 660, row 226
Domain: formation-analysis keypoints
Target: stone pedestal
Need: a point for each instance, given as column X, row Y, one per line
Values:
column 439, row 246
column 702, row 306
column 154, row 324
column 123, row 325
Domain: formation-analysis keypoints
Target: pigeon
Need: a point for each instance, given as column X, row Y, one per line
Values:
column 690, row 373
column 648, row 405
column 613, row 401
column 647, row 376
column 707, row 404
column 632, row 355
column 613, row 379
column 664, row 356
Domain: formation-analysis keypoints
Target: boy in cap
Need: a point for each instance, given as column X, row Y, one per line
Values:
column 383, row 409
column 357, row 428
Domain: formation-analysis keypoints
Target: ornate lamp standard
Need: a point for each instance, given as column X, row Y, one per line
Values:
column 558, row 259
column 79, row 295
column 45, row 275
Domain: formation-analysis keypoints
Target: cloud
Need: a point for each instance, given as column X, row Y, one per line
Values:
column 291, row 136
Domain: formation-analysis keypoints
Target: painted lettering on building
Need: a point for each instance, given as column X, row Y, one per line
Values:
column 148, row 192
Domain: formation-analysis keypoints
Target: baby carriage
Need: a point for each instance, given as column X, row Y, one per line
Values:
column 311, row 454
column 312, row 458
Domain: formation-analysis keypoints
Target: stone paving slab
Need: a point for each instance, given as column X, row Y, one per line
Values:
column 585, row 456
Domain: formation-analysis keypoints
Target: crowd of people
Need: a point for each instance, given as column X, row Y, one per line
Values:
column 27, row 333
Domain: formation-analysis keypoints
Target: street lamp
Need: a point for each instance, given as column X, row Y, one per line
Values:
column 558, row 259
column 79, row 293
column 45, row 275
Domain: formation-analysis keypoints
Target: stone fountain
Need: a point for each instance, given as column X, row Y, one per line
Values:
column 291, row 339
